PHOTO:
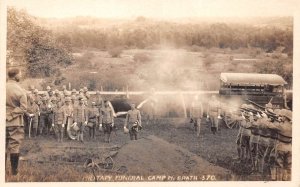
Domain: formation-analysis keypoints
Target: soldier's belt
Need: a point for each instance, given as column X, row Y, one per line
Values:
column 284, row 139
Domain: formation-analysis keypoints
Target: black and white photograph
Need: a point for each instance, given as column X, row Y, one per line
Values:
column 149, row 91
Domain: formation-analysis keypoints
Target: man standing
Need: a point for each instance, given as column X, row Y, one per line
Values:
column 283, row 147
column 243, row 140
column 33, row 115
column 68, row 113
column 58, row 122
column 93, row 120
column 80, row 118
column 107, row 119
column 196, row 114
column 16, row 106
column 133, row 121
column 213, row 113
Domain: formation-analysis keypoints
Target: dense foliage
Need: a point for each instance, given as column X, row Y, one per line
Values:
column 34, row 47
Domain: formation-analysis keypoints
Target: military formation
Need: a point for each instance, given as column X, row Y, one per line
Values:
column 54, row 111
column 265, row 142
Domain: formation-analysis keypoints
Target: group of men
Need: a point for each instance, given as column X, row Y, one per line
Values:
column 212, row 110
column 56, row 110
column 265, row 142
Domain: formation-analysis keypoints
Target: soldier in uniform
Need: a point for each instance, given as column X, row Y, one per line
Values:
column 133, row 121
column 74, row 101
column 283, row 147
column 73, row 92
column 58, row 121
column 263, row 142
column 80, row 118
column 196, row 114
column 33, row 110
column 45, row 111
column 86, row 93
column 68, row 109
column 243, row 139
column 254, row 139
column 106, row 120
column 37, row 97
column 93, row 120
column 16, row 106
column 213, row 114
column 99, row 100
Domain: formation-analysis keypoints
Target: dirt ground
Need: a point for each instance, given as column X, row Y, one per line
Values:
column 165, row 146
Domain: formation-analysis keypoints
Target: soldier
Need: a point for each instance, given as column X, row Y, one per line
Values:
column 16, row 106
column 50, row 95
column 58, row 121
column 74, row 101
column 48, row 89
column 254, row 140
column 263, row 142
column 86, row 93
column 93, row 120
column 33, row 110
column 68, row 109
column 243, row 140
column 283, row 147
column 73, row 92
column 213, row 113
column 99, row 100
column 37, row 97
column 107, row 120
column 45, row 112
column 133, row 121
column 196, row 114
column 80, row 118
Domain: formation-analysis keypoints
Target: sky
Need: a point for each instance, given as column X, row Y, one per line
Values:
column 156, row 8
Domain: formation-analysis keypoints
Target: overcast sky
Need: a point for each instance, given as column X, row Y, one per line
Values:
column 157, row 8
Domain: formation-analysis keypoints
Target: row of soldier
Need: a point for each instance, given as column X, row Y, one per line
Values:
column 56, row 110
column 266, row 143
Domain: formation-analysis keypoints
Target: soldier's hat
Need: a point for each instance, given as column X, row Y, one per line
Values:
column 44, row 98
column 67, row 99
column 277, row 112
column 74, row 91
column 287, row 113
column 85, row 88
column 31, row 87
column 35, row 91
column 81, row 90
column 56, row 91
column 48, row 88
column 66, row 93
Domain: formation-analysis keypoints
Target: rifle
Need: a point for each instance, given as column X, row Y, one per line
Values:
column 270, row 114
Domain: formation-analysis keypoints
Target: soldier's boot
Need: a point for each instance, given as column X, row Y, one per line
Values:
column 81, row 137
column 135, row 136
column 34, row 132
column 94, row 132
column 14, row 161
column 279, row 174
column 61, row 135
column 239, row 152
column 90, row 132
column 78, row 135
column 273, row 174
column 285, row 175
column 40, row 131
column 198, row 130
